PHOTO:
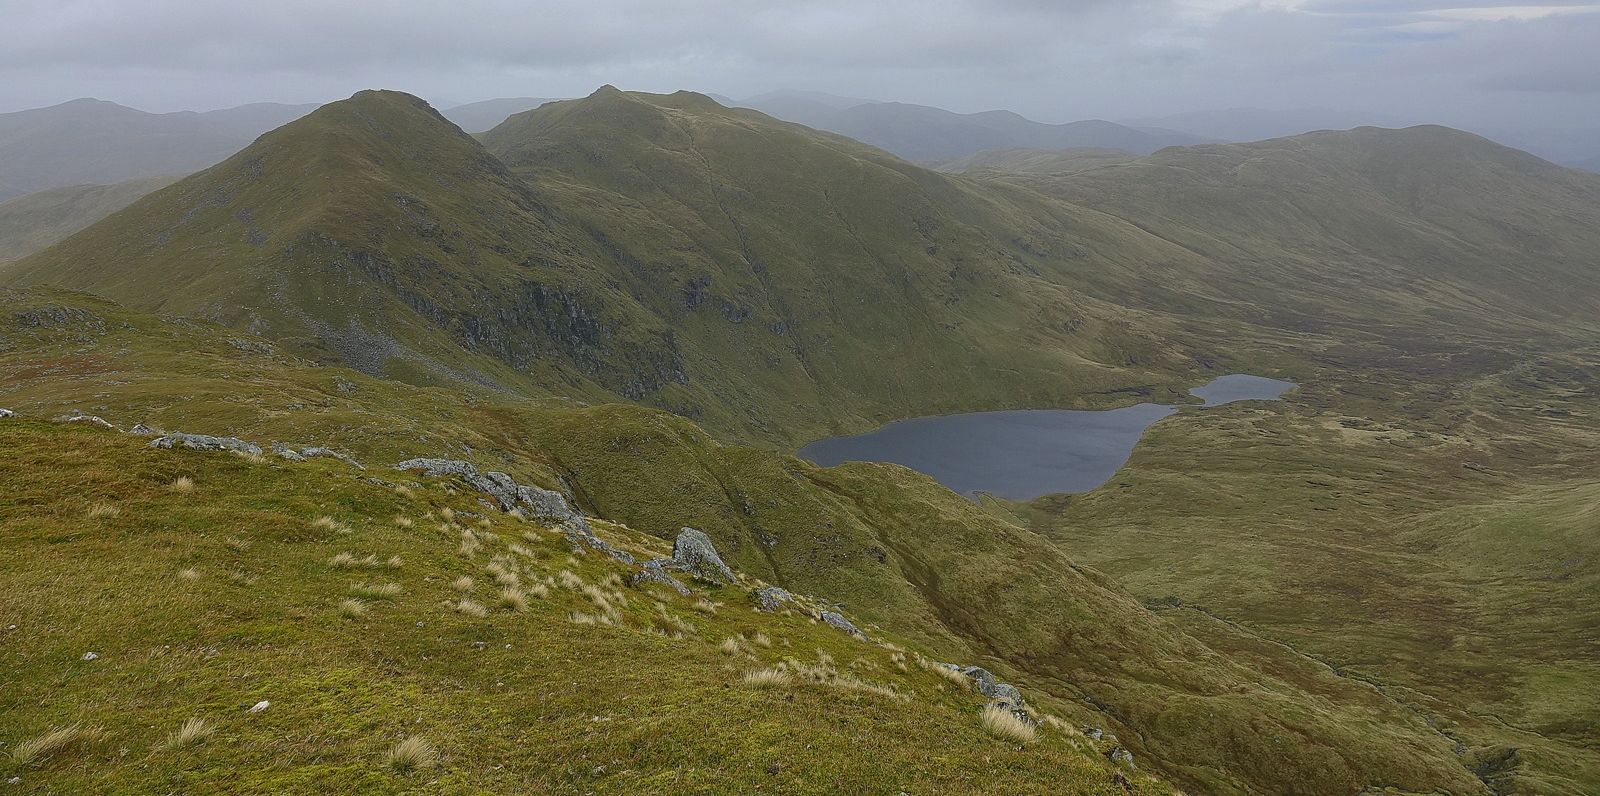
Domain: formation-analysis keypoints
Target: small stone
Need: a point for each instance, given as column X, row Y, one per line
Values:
column 91, row 656
column 14, row 780
column 480, row 644
column 5, row 413
column 260, row 706
column 773, row 768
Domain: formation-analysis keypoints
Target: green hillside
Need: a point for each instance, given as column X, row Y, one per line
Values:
column 906, row 558
column 643, row 300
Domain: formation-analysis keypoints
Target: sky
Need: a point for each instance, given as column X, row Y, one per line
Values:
column 1462, row 62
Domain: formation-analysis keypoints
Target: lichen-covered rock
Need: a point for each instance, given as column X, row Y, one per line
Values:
column 771, row 598
column 655, row 571
column 1094, row 733
column 438, row 467
column 204, row 442
column 144, row 430
column 330, row 453
column 1120, row 756
column 837, row 620
column 285, row 452
column 93, row 420
column 693, row 552
column 991, row 687
column 5, row 413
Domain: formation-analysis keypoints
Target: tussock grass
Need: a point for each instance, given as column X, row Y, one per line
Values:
column 611, row 581
column 41, row 748
column 394, row 562
column 402, row 521
column 189, row 573
column 502, row 575
column 243, row 578
column 469, row 544
column 351, row 609
column 569, row 580
column 581, row 618
column 729, row 646
column 237, row 544
column 761, row 640
column 253, row 458
column 412, row 754
column 194, row 732
column 101, row 511
column 955, row 678
column 470, row 608
column 376, row 591
column 538, row 590
column 1005, row 725
column 512, row 599
column 183, row 485
column 463, row 584
column 824, row 674
column 449, row 514
column 768, row 678
column 520, row 550
column 599, row 597
column 705, row 606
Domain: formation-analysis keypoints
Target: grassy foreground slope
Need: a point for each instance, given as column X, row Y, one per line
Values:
column 907, row 558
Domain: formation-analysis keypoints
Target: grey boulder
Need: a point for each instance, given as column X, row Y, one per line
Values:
column 693, row 552
column 837, row 620
column 771, row 598
column 656, row 572
column 204, row 442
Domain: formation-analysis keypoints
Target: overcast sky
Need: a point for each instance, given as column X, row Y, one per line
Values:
column 1453, row 61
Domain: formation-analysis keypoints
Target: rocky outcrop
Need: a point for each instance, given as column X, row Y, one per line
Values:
column 283, row 451
column 329, row 453
column 836, row 620
column 655, row 571
column 693, row 553
column 144, row 431
column 5, row 413
column 204, row 442
column 1120, row 756
column 771, row 598
column 93, row 420
column 531, row 501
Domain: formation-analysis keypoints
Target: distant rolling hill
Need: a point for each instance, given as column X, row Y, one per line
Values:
column 1035, row 161
column 93, row 142
column 33, row 221
column 477, row 117
column 923, row 133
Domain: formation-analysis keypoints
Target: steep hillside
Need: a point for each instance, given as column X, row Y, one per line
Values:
column 908, row 560
column 741, row 271
column 92, row 142
column 34, row 221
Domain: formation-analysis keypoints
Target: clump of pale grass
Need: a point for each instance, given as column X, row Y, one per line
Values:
column 193, row 733
column 598, row 596
column 104, row 510
column 955, row 677
column 517, row 514
column 761, row 640
column 768, row 678
column 823, row 673
column 237, row 544
column 1005, row 725
column 705, row 606
column 351, row 609
column 502, row 575
column 470, row 608
column 253, row 458
column 538, row 590
column 569, row 580
column 512, row 599
column 462, row 584
column 402, row 521
column 412, row 754
column 43, row 747
column 448, row 514
column 404, row 491
column 376, row 591
column 183, row 485
column 189, row 573
column 581, row 618
column 611, row 581
column 520, row 550
column 324, row 523
column 394, row 562
column 469, row 543
column 729, row 646
column 243, row 578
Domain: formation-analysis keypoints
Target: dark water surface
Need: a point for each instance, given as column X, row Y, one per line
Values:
column 1023, row 454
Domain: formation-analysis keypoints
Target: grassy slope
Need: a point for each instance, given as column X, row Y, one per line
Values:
column 1431, row 538
column 199, row 604
column 32, row 222
column 1035, row 161
column 897, row 550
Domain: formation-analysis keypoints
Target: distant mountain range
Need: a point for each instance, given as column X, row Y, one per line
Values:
column 924, row 133
column 478, row 117
column 88, row 141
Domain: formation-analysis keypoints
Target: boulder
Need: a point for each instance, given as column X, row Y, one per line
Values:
column 1120, row 756
column 284, row 451
column 838, row 621
column 771, row 598
column 693, row 552
column 5, row 413
column 330, row 453
column 655, row 571
column 203, row 442
column 93, row 420
column 144, row 430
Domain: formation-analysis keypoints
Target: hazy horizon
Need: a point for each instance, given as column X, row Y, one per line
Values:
column 1467, row 63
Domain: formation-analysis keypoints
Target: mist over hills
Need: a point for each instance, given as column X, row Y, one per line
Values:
column 646, row 300
column 89, row 141
column 478, row 117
